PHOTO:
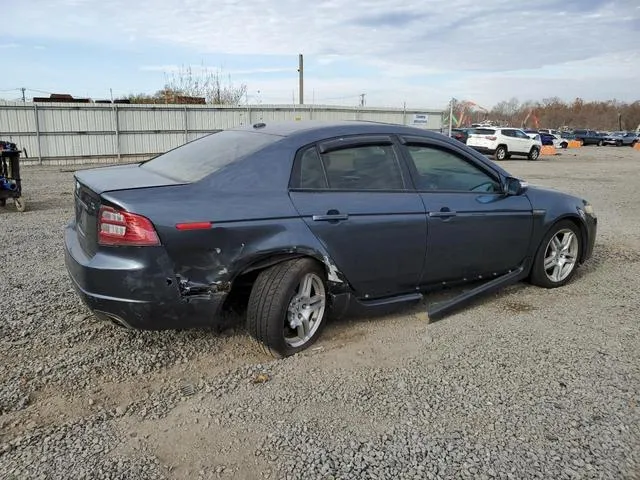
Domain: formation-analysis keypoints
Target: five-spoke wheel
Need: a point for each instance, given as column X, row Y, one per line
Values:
column 558, row 256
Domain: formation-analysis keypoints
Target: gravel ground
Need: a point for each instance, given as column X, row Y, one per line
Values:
column 528, row 383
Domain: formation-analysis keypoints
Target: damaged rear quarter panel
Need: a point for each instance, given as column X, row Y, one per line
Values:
column 248, row 226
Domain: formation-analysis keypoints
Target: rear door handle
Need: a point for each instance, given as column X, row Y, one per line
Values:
column 443, row 213
column 331, row 216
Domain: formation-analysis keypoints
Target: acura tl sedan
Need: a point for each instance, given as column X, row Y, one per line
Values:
column 299, row 220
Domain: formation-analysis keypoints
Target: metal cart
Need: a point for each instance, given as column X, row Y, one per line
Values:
column 10, row 183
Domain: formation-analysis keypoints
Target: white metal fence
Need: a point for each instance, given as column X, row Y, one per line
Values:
column 63, row 133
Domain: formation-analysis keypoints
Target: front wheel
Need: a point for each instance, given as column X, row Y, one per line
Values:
column 287, row 307
column 564, row 145
column 600, row 143
column 558, row 255
column 534, row 154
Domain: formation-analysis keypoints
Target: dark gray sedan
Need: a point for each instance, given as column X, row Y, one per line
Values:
column 293, row 221
column 621, row 138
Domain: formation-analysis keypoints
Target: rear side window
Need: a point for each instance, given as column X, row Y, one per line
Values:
column 372, row 167
column 197, row 159
column 483, row 131
column 312, row 175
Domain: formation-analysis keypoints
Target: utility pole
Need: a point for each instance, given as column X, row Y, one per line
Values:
column 362, row 99
column 23, row 97
column 451, row 115
column 301, row 78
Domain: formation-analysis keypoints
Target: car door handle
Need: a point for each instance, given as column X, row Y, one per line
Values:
column 330, row 217
column 443, row 213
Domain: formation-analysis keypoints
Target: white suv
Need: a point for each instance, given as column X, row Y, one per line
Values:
column 504, row 142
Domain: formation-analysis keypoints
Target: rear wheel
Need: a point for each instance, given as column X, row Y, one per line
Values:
column 287, row 307
column 534, row 153
column 564, row 145
column 557, row 258
column 21, row 206
column 501, row 153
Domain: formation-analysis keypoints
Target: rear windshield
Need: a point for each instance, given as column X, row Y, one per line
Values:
column 197, row 159
column 484, row 131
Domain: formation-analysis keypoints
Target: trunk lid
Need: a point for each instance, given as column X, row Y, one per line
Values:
column 122, row 177
column 90, row 184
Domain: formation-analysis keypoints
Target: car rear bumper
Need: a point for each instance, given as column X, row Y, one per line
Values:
column 136, row 288
column 485, row 150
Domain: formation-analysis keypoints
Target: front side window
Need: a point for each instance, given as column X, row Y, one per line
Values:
column 442, row 170
column 371, row 167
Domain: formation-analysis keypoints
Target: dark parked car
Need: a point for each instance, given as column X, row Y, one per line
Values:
column 545, row 138
column 461, row 134
column 621, row 138
column 588, row 137
column 297, row 220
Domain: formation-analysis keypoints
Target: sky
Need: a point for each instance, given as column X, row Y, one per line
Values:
column 421, row 53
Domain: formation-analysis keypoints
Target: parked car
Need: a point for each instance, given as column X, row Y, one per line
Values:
column 621, row 138
column 551, row 131
column 548, row 139
column 297, row 220
column 461, row 134
column 502, row 143
column 588, row 137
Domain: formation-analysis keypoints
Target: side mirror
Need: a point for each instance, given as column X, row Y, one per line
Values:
column 514, row 186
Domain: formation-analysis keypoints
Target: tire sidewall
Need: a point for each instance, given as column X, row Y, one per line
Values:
column 534, row 154
column 538, row 274
column 276, row 323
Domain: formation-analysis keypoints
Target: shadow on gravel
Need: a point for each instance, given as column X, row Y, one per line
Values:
column 38, row 205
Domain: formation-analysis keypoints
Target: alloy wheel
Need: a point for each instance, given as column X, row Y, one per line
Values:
column 561, row 255
column 305, row 311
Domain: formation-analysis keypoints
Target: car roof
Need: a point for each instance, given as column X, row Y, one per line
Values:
column 320, row 127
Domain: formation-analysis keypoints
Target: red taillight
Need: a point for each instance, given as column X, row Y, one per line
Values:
column 117, row 227
column 490, row 137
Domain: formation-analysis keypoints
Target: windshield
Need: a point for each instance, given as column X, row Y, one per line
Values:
column 197, row 159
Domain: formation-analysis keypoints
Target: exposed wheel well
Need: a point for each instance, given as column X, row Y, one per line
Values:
column 238, row 297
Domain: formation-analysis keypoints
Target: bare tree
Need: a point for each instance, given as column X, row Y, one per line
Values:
column 555, row 113
column 205, row 84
